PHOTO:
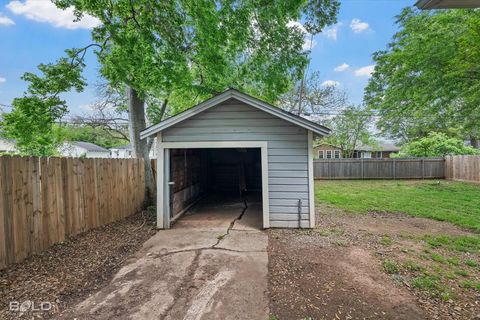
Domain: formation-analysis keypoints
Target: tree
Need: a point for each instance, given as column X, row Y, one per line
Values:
column 182, row 52
column 428, row 79
column 311, row 97
column 31, row 123
column 350, row 129
column 436, row 144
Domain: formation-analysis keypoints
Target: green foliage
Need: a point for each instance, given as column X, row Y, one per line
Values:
column 390, row 266
column 435, row 144
column 412, row 266
column 386, row 240
column 96, row 135
column 350, row 129
column 31, row 123
column 455, row 202
column 428, row 78
column 455, row 243
column 438, row 258
column 471, row 263
column 186, row 51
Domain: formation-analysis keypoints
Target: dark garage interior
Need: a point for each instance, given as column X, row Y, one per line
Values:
column 216, row 176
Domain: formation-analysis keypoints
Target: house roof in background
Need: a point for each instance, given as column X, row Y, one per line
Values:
column 380, row 146
column 447, row 4
column 88, row 146
column 235, row 94
column 125, row 147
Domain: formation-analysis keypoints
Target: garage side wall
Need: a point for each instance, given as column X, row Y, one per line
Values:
column 287, row 153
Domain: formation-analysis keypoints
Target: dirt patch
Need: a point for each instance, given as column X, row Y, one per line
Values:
column 69, row 271
column 339, row 269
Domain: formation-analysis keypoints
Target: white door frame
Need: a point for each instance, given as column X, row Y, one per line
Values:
column 163, row 172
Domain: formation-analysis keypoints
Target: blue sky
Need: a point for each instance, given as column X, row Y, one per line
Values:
column 33, row 32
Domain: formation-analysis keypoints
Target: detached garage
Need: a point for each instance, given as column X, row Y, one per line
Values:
column 236, row 146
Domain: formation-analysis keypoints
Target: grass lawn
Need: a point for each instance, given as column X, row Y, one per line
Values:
column 455, row 202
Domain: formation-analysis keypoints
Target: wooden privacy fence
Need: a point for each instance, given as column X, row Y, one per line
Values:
column 409, row 168
column 463, row 168
column 45, row 200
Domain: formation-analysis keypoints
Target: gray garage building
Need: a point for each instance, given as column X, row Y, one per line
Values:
column 236, row 143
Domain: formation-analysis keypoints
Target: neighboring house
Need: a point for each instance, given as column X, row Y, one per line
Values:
column 7, row 146
column 380, row 151
column 327, row 151
column 236, row 140
column 83, row 149
column 127, row 152
column 121, row 151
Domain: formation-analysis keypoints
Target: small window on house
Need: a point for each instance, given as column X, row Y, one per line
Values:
column 321, row 154
column 337, row 154
column 329, row 154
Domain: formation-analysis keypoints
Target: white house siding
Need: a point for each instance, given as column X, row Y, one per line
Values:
column 70, row 150
column 287, row 152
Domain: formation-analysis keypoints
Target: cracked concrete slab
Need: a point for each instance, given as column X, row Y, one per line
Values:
column 211, row 265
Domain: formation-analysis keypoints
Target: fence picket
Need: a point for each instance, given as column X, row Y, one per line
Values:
column 45, row 200
column 379, row 168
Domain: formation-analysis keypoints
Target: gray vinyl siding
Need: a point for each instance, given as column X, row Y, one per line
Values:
column 287, row 152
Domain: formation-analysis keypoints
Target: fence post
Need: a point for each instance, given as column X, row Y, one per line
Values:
column 361, row 164
column 423, row 168
column 393, row 169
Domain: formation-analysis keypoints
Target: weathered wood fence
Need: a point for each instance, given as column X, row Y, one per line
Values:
column 409, row 168
column 45, row 200
column 463, row 168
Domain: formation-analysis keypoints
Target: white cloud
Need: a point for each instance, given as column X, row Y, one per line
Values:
column 309, row 43
column 330, row 83
column 6, row 21
column 365, row 71
column 46, row 11
column 342, row 67
column 298, row 25
column 359, row 26
column 2, row 80
column 332, row 32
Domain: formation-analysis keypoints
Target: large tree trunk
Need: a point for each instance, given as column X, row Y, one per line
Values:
column 140, row 148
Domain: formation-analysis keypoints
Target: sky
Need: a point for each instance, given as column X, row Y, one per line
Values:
column 34, row 32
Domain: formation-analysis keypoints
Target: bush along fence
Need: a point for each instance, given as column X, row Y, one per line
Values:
column 409, row 168
column 45, row 200
column 463, row 168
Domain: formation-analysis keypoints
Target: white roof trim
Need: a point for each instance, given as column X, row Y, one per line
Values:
column 228, row 94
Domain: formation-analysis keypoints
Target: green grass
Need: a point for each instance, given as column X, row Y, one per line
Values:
column 455, row 202
column 469, row 244
column 390, row 266
column 471, row 263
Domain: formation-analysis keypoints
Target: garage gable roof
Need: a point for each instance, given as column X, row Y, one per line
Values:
column 235, row 94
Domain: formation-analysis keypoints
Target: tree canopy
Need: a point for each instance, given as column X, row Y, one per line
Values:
column 185, row 51
column 350, row 129
column 31, row 123
column 174, row 53
column 428, row 79
column 436, row 144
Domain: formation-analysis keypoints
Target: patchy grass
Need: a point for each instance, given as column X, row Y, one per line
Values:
column 455, row 202
column 471, row 263
column 468, row 244
column 390, row 266
column 386, row 240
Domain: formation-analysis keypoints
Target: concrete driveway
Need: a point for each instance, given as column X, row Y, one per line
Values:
column 211, row 265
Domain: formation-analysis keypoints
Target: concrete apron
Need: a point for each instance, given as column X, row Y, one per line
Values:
column 210, row 265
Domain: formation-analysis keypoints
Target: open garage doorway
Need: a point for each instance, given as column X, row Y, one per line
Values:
column 214, row 184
